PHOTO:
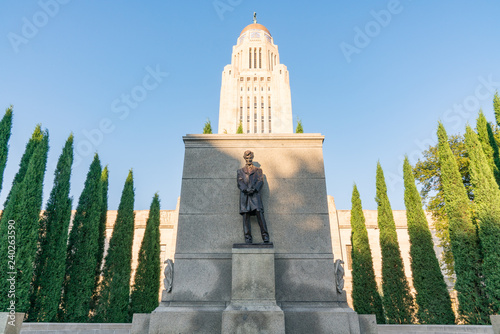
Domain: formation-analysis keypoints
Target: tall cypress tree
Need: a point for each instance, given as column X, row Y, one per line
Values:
column 102, row 232
column 24, row 209
column 473, row 307
column 397, row 300
column 365, row 296
column 487, row 208
column 496, row 107
column 82, row 250
column 432, row 297
column 36, row 139
column 146, row 289
column 114, row 290
column 25, row 159
column 488, row 144
column 5, row 131
column 53, row 237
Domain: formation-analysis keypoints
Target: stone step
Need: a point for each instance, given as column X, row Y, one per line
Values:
column 434, row 329
column 74, row 328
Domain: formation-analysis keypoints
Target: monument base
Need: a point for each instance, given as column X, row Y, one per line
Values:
column 219, row 285
column 316, row 318
column 186, row 318
column 253, row 307
column 251, row 318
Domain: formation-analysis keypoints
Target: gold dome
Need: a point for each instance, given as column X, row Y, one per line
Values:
column 254, row 26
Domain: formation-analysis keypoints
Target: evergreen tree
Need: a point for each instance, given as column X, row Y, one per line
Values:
column 496, row 152
column 208, row 127
column 487, row 208
column 114, row 290
column 397, row 299
column 53, row 237
column 102, row 233
column 240, row 128
column 82, row 250
column 299, row 128
column 365, row 297
column 25, row 159
column 432, row 297
column 24, row 209
column 145, row 293
column 488, row 144
column 5, row 131
column 472, row 307
column 496, row 107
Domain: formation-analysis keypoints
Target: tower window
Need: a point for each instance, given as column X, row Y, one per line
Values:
column 248, row 114
column 262, row 114
column 260, row 58
column 241, row 79
column 241, row 110
column 255, row 114
column 250, row 58
column 255, row 58
column 269, row 111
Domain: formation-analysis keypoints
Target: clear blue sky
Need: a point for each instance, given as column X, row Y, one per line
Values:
column 66, row 66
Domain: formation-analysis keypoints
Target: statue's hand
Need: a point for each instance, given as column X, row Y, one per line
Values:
column 250, row 190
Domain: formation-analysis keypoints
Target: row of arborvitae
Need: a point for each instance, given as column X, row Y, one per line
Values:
column 432, row 304
column 59, row 278
column 467, row 184
column 474, row 227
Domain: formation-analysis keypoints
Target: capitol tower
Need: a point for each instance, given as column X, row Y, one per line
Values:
column 255, row 90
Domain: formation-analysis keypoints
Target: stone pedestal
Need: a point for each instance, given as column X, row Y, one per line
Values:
column 11, row 323
column 296, row 210
column 495, row 323
column 253, row 307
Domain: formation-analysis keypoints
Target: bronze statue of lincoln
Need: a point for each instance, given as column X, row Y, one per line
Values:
column 250, row 182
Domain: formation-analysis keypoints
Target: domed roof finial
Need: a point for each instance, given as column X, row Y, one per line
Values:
column 254, row 17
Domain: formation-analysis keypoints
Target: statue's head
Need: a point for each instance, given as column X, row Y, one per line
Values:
column 248, row 156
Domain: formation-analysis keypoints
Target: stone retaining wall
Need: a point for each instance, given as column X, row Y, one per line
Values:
column 433, row 329
column 73, row 328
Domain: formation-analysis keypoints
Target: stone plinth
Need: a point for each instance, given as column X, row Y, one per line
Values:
column 253, row 307
column 11, row 323
column 495, row 323
column 296, row 211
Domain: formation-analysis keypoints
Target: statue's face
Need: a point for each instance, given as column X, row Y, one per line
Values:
column 249, row 160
